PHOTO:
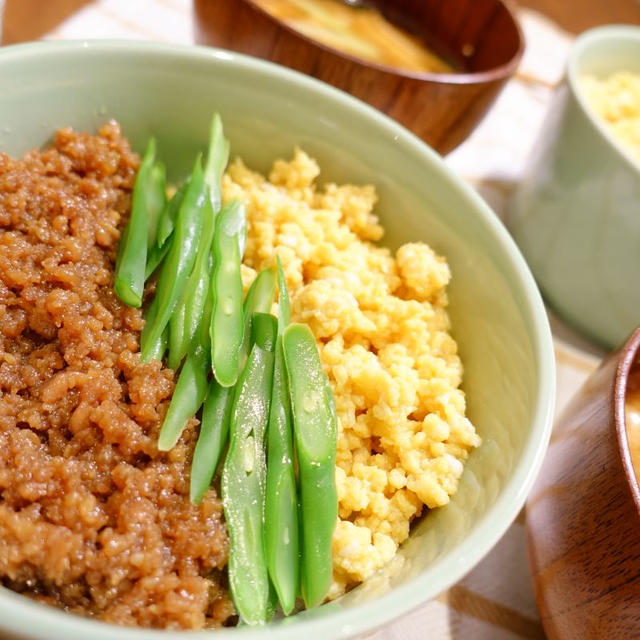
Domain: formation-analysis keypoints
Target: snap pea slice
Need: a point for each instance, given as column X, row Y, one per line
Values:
column 244, row 477
column 315, row 434
column 281, row 511
column 226, row 317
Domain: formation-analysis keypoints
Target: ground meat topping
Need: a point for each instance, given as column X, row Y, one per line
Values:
column 92, row 517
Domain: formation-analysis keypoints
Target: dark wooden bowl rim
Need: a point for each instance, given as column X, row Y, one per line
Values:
column 497, row 73
column 625, row 364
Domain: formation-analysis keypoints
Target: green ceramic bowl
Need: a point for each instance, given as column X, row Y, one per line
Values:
column 576, row 215
column 497, row 314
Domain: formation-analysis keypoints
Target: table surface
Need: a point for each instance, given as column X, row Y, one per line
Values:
column 29, row 19
column 495, row 601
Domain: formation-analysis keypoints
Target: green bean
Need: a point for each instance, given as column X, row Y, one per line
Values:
column 156, row 202
column 212, row 439
column 155, row 256
column 258, row 300
column 284, row 305
column 197, row 286
column 226, row 318
column 315, row 433
column 217, row 157
column 179, row 262
column 195, row 299
column 214, row 427
column 196, row 290
column 281, row 511
column 132, row 249
column 176, row 335
column 264, row 334
column 158, row 349
column 190, row 390
column 168, row 218
column 157, row 253
column 187, row 398
column 244, row 475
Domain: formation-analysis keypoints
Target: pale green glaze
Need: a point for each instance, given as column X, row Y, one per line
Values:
column 576, row 216
column 496, row 311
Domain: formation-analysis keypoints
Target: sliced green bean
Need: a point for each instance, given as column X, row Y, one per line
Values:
column 155, row 256
column 176, row 335
column 132, row 249
column 195, row 299
column 216, row 161
column 179, row 262
column 196, row 290
column 259, row 299
column 215, row 164
column 169, row 215
column 188, row 397
column 190, row 390
column 157, row 253
column 157, row 351
column 281, row 511
column 197, row 286
column 284, row 304
column 156, row 202
column 244, row 477
column 315, row 433
column 226, row 318
column 214, row 427
column 264, row 332
column 212, row 439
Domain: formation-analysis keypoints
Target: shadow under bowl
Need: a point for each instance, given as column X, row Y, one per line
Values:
column 583, row 515
column 481, row 38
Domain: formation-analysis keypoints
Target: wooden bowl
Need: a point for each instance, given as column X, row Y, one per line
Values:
column 481, row 36
column 583, row 515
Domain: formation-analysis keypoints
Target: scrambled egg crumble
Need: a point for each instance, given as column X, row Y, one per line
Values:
column 383, row 336
column 616, row 100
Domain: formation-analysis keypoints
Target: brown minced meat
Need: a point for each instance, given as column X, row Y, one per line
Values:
column 93, row 518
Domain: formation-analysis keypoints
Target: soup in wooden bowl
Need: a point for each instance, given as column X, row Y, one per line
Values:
column 436, row 72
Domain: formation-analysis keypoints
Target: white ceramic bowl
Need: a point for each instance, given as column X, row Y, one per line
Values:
column 576, row 214
column 497, row 314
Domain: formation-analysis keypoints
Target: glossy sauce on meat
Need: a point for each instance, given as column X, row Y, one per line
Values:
column 93, row 518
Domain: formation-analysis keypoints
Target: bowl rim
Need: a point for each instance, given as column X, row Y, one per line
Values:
column 499, row 72
column 21, row 615
column 628, row 356
column 594, row 38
